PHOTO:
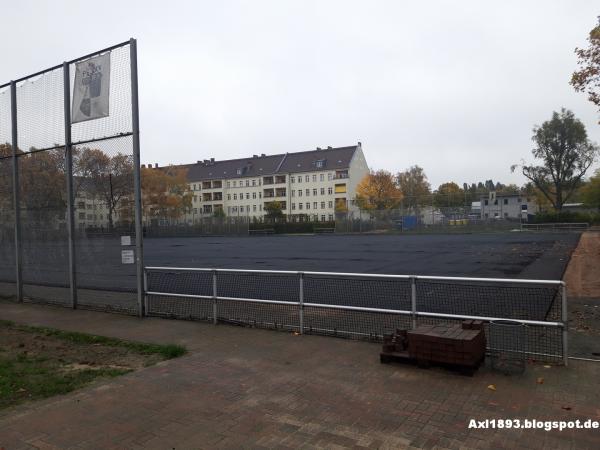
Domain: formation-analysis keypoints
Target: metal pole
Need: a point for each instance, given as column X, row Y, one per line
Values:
column 16, row 192
column 137, row 182
column 301, row 303
column 413, row 301
column 214, row 280
column 565, row 330
column 145, row 293
column 70, row 193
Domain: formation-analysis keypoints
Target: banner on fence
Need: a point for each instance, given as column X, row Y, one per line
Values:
column 91, row 89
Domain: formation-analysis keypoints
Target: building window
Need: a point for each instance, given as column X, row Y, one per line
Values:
column 299, row 178
column 228, row 196
column 307, row 178
column 486, row 202
column 506, row 201
column 293, row 206
column 322, row 191
column 505, row 215
column 241, row 209
column 254, row 208
column 228, row 184
column 234, row 183
column 247, row 196
column 323, row 218
column 322, row 205
column 239, row 172
column 330, row 176
column 330, row 190
column 235, row 196
column 253, row 182
column 299, row 205
column 299, row 192
column 308, row 192
column 315, row 205
column 308, row 206
column 247, row 183
column 314, row 177
column 315, row 192
column 194, row 187
column 292, row 179
column 254, row 195
column 330, row 217
column 322, row 177
column 330, row 204
column 319, row 164
column 496, row 202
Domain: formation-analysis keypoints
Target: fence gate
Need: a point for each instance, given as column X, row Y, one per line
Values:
column 70, row 194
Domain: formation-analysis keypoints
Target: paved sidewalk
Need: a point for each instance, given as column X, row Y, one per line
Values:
column 245, row 388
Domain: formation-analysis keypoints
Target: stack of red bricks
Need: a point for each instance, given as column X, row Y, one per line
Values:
column 462, row 345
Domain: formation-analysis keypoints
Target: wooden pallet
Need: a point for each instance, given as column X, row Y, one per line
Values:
column 405, row 358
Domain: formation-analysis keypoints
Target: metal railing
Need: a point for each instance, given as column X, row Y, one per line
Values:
column 282, row 285
column 555, row 226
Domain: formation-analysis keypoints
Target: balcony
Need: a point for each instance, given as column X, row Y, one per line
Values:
column 268, row 180
column 207, row 197
column 341, row 174
column 280, row 192
column 206, row 185
column 269, row 193
column 340, row 188
column 218, row 196
column 217, row 184
column 279, row 179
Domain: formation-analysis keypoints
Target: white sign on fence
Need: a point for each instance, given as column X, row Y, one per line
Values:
column 127, row 257
column 91, row 89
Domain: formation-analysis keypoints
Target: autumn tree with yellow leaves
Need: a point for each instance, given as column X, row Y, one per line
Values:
column 165, row 192
column 378, row 191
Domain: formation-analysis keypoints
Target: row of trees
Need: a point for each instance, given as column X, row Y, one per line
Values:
column 105, row 179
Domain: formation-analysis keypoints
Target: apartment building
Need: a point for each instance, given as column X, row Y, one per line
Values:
column 507, row 206
column 310, row 185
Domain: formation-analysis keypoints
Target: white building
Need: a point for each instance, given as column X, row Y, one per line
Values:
column 310, row 185
column 507, row 206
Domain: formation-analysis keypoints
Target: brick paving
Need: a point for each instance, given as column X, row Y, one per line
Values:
column 246, row 388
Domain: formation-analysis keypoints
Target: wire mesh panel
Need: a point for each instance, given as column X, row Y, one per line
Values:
column 352, row 324
column 281, row 287
column 366, row 292
column 43, row 226
column 489, row 299
column 7, row 222
column 40, row 111
column 103, row 170
column 104, row 214
column 507, row 340
column 180, row 282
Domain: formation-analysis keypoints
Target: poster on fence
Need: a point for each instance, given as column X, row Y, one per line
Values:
column 91, row 89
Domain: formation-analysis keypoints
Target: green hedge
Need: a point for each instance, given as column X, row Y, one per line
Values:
column 567, row 217
column 291, row 227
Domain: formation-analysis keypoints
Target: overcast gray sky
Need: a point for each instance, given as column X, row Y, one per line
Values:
column 453, row 86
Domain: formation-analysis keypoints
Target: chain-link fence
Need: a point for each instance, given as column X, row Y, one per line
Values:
column 70, row 239
column 360, row 305
column 438, row 212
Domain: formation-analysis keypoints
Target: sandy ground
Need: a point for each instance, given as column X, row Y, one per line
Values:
column 583, row 272
column 583, row 286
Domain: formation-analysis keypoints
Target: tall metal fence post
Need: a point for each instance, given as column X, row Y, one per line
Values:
column 137, row 182
column 301, row 303
column 16, row 192
column 413, row 302
column 214, row 283
column 70, row 193
column 565, row 321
